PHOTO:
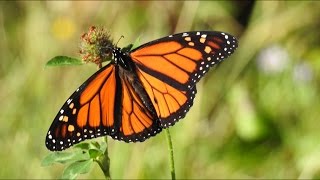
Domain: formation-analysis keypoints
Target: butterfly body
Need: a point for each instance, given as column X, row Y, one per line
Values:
column 141, row 91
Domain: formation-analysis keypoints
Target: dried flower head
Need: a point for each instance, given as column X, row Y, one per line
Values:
column 96, row 46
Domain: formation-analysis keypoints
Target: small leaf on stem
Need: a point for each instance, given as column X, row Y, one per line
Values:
column 76, row 168
column 64, row 157
column 64, row 61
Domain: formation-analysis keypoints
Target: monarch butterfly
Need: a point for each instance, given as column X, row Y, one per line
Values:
column 141, row 91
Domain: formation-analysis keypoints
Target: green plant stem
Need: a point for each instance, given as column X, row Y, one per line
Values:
column 104, row 162
column 171, row 157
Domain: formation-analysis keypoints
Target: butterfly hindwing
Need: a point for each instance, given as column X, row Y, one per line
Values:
column 171, row 104
column 137, row 122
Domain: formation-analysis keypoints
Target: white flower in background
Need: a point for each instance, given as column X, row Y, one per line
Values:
column 272, row 59
column 302, row 73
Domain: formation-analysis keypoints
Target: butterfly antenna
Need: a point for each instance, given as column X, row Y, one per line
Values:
column 119, row 40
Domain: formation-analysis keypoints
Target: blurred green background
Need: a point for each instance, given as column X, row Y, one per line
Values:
column 255, row 116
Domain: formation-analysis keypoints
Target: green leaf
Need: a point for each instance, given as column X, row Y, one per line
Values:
column 83, row 146
column 103, row 146
column 95, row 144
column 64, row 157
column 63, row 61
column 88, row 145
column 94, row 153
column 76, row 168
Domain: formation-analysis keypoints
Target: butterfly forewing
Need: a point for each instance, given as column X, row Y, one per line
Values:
column 182, row 59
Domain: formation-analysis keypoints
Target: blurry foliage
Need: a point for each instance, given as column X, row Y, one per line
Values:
column 255, row 116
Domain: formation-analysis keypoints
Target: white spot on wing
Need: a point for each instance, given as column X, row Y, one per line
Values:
column 204, row 36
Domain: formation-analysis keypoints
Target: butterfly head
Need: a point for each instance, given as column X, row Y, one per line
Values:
column 96, row 46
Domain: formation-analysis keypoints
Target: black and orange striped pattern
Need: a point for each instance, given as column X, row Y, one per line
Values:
column 141, row 91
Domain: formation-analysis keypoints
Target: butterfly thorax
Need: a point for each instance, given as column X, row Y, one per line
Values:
column 122, row 59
